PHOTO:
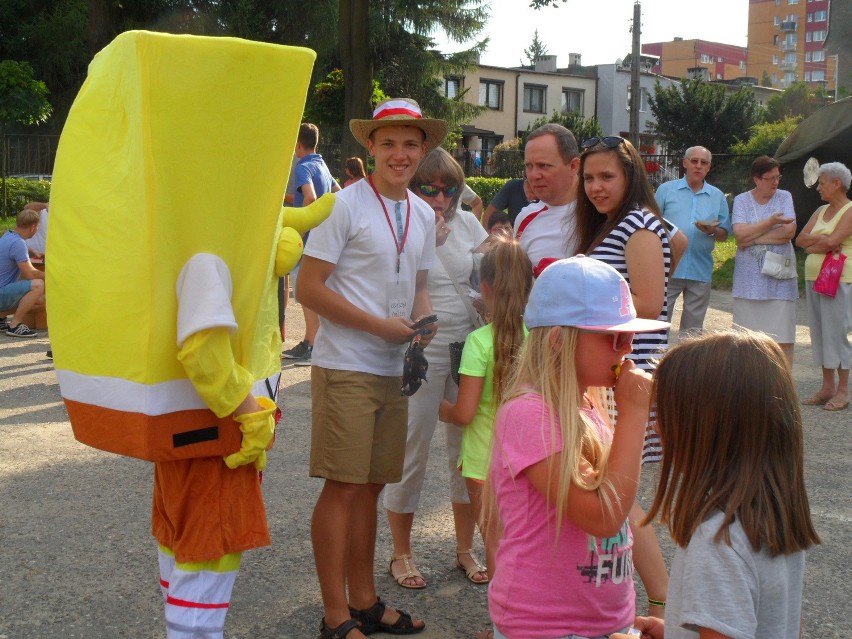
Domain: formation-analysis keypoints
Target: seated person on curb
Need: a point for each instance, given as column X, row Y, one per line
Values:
column 21, row 284
column 36, row 244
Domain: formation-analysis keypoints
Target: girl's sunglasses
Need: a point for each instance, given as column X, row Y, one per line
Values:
column 610, row 142
column 620, row 341
column 430, row 190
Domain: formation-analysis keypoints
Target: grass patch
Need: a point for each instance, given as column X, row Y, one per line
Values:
column 723, row 265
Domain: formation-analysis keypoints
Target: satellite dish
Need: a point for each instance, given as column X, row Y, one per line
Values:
column 811, row 172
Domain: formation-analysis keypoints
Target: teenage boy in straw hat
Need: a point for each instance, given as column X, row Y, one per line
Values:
column 364, row 272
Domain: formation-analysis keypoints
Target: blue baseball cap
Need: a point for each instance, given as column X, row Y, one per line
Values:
column 585, row 293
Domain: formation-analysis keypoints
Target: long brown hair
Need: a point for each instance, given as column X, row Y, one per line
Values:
column 591, row 226
column 736, row 450
column 508, row 272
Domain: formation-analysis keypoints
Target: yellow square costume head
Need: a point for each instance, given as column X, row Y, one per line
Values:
column 168, row 184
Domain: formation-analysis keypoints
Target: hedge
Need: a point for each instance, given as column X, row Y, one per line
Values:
column 20, row 191
column 486, row 188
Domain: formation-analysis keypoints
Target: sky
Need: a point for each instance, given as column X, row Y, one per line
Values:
column 600, row 29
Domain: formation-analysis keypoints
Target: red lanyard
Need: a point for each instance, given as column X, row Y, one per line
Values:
column 400, row 246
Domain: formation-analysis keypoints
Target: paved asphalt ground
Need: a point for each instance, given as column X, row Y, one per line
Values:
column 77, row 558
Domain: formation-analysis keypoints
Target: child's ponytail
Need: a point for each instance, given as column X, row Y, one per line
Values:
column 507, row 271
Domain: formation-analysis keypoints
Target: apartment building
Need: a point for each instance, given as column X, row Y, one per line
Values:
column 786, row 43
column 614, row 97
column 517, row 96
column 678, row 57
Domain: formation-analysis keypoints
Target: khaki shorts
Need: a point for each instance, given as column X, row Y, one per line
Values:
column 359, row 426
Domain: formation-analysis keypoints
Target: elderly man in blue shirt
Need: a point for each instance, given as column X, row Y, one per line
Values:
column 700, row 210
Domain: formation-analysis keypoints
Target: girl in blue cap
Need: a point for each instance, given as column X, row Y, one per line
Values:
column 563, row 479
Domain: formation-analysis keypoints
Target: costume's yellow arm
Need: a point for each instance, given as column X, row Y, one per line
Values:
column 209, row 363
column 304, row 218
column 297, row 222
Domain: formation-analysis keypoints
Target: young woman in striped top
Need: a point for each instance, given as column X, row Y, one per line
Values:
column 618, row 222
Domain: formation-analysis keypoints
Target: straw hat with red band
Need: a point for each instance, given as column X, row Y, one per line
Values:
column 400, row 112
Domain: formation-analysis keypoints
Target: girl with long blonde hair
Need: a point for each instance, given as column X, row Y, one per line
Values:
column 487, row 360
column 563, row 479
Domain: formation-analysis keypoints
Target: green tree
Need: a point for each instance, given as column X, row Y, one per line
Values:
column 582, row 128
column 535, row 50
column 766, row 137
column 765, row 80
column 23, row 100
column 796, row 100
column 699, row 113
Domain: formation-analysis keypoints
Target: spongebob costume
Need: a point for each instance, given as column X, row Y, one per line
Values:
column 167, row 240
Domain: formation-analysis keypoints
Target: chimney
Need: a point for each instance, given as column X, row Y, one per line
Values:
column 546, row 63
column 574, row 59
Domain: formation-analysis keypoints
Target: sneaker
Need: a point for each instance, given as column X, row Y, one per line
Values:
column 49, row 354
column 4, row 325
column 301, row 351
column 21, row 330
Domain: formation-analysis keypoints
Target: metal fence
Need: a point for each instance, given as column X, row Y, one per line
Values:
column 34, row 155
column 31, row 155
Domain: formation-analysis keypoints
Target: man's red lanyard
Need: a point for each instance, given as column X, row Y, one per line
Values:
column 398, row 242
column 526, row 222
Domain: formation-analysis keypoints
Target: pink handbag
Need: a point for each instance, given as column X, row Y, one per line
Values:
column 828, row 279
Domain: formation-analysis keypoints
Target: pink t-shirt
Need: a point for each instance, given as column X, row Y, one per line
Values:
column 581, row 585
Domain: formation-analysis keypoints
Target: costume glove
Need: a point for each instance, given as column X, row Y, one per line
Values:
column 258, row 429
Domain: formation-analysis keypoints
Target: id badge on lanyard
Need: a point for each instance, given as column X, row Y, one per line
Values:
column 398, row 300
column 397, row 292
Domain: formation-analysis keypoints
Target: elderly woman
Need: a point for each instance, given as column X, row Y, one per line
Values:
column 439, row 181
column 764, row 221
column 830, row 231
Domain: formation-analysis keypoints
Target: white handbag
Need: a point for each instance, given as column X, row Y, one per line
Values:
column 781, row 267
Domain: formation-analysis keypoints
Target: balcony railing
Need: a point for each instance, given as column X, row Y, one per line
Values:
column 785, row 65
column 788, row 46
column 789, row 25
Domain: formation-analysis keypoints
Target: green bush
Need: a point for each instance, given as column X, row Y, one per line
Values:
column 21, row 191
column 485, row 188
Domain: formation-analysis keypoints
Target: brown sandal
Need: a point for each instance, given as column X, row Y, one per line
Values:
column 410, row 572
column 476, row 569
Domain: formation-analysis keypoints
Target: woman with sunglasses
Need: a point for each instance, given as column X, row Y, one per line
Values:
column 619, row 223
column 764, row 222
column 439, row 181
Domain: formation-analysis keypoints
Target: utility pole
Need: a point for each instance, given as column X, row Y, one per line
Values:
column 635, row 89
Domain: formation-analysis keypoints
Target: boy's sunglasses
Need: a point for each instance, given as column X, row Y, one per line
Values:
column 620, row 341
column 430, row 190
column 610, row 142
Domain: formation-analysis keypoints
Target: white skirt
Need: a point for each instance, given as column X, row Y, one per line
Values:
column 776, row 318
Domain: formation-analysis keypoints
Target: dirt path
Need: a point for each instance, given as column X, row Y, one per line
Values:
column 77, row 558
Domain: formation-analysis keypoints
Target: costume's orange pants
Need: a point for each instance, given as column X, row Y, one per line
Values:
column 205, row 515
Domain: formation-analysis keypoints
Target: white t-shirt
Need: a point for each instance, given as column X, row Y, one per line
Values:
column 358, row 240
column 38, row 241
column 548, row 233
column 454, row 323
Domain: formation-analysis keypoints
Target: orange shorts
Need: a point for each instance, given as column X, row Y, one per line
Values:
column 203, row 510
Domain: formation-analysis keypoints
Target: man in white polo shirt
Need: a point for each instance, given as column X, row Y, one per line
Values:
column 545, row 229
column 364, row 272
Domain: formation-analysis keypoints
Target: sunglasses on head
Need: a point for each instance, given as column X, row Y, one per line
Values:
column 610, row 142
column 430, row 190
column 620, row 341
